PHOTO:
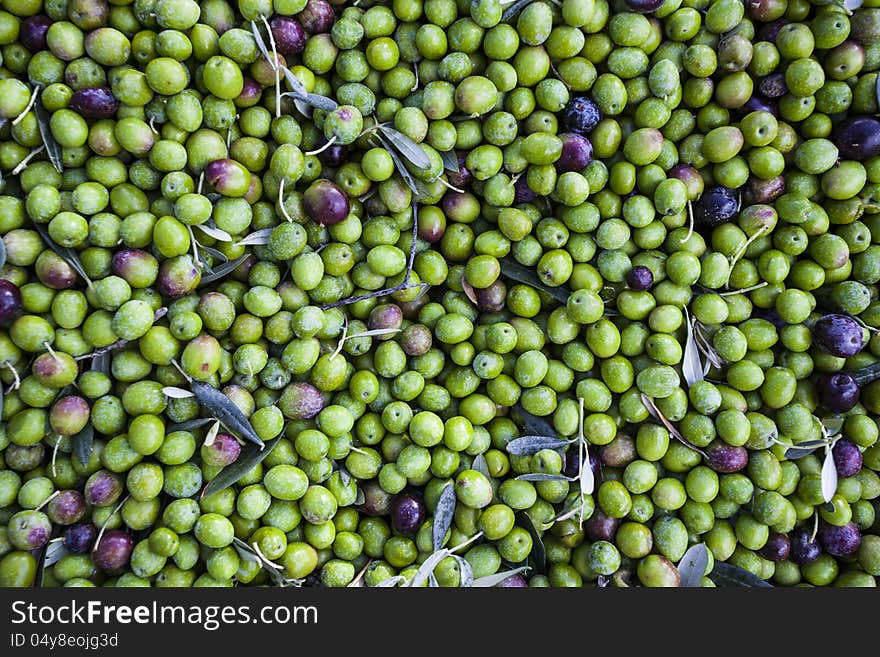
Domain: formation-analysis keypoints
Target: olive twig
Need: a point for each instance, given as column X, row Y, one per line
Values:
column 276, row 67
column 16, row 379
column 284, row 212
column 107, row 522
column 26, row 160
column 743, row 290
column 323, row 148
column 29, row 106
column 48, row 499
column 741, row 251
column 690, row 221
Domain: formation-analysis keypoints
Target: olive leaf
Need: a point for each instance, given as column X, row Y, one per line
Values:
column 469, row 291
column 219, row 256
column 725, row 574
column 176, row 393
column 829, row 475
column 360, row 498
column 706, row 348
column 252, row 555
column 2, row 253
column 70, row 256
column 481, row 466
column 801, row 449
column 534, row 425
column 190, row 425
column 450, row 160
column 693, row 566
column 832, row 425
column 298, row 92
column 257, row 238
column 673, row 431
column 488, row 581
column 101, row 363
column 528, row 445
column 691, row 367
column 538, row 554
column 53, row 150
column 389, row 582
column 466, row 572
column 522, row 274
column 222, row 270
column 399, row 165
column 83, row 442
column 443, row 515
column 217, row 233
column 55, row 550
column 586, row 478
column 542, row 476
column 514, row 8
column 405, row 146
column 426, row 570
column 225, row 410
column 251, row 456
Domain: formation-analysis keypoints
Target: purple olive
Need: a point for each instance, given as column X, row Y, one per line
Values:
column 758, row 103
column 840, row 541
column 640, row 278
column 317, row 17
column 463, row 176
column 522, row 192
column 838, row 335
column 139, row 268
column 804, row 550
column 619, row 453
column 643, row 6
column 301, row 401
column 112, row 554
column 54, row 272
column 251, row 93
column 376, row 501
column 223, row 451
column 103, row 488
column 10, row 302
column 79, row 538
column 513, row 582
column 847, row 458
column 760, row 190
column 289, row 35
column 771, row 30
column 773, row 85
column 407, row 513
column 765, row 10
column 691, row 178
column 33, row 32
column 726, row 458
column 385, row 316
column 573, row 464
column 178, row 276
column 432, row 225
column 491, row 299
column 777, row 547
column 839, row 392
column 29, row 530
column 66, row 508
column 94, row 103
column 858, row 138
column 333, row 156
column 600, row 527
column 325, row 202
column 69, row 415
column 577, row 152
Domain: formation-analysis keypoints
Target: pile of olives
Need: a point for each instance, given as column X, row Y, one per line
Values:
column 439, row 293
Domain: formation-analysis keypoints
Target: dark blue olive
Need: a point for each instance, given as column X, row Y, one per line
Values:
column 838, row 335
column 858, row 138
column 717, row 205
column 11, row 305
column 577, row 152
column 640, row 278
column 581, row 115
column 94, row 103
column 407, row 513
column 804, row 550
column 600, row 527
column 773, row 85
column 838, row 392
column 643, row 6
column 79, row 538
column 522, row 192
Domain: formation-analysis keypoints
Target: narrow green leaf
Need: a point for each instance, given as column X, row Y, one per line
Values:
column 693, row 565
column 528, row 445
column 190, row 425
column 481, row 466
column 829, row 476
column 405, row 146
column 225, row 410
column 725, row 574
column 251, row 456
column 522, row 274
column 400, row 166
column 542, row 476
column 83, row 442
column 514, row 9
column 53, row 150
column 222, row 270
column 538, row 554
column 534, row 425
column 488, row 581
column 450, row 160
column 2, row 253
column 443, row 515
